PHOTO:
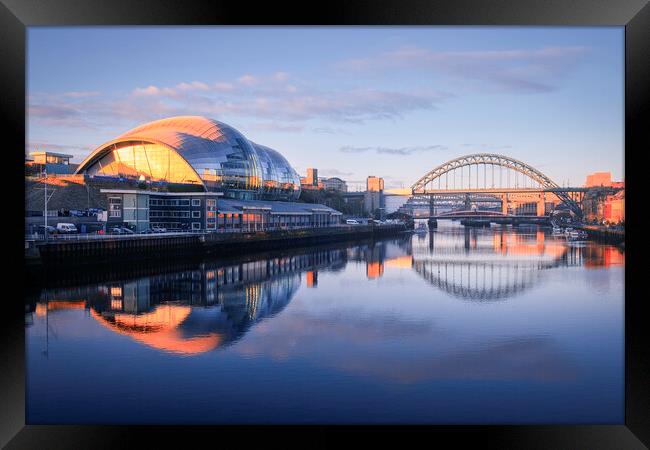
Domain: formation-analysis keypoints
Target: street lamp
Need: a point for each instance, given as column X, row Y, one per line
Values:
column 45, row 202
column 46, row 198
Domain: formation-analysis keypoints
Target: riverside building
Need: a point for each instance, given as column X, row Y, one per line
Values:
column 195, row 173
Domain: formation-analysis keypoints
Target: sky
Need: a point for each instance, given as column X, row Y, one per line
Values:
column 393, row 102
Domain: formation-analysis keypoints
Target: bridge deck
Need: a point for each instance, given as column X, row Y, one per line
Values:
column 496, row 190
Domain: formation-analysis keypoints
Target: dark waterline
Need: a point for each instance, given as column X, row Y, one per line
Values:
column 496, row 325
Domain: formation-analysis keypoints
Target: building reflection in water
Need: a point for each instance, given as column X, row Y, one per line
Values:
column 312, row 278
column 195, row 311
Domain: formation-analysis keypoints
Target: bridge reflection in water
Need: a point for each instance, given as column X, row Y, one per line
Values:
column 214, row 304
column 491, row 264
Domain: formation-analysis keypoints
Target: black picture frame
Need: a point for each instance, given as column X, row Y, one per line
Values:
column 16, row 15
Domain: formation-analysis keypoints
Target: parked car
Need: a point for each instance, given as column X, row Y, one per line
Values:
column 147, row 231
column 377, row 222
column 352, row 222
column 41, row 229
column 121, row 230
column 66, row 228
column 159, row 230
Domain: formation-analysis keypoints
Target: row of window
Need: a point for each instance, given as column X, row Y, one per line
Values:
column 175, row 202
column 220, row 219
column 178, row 214
column 175, row 225
column 228, row 225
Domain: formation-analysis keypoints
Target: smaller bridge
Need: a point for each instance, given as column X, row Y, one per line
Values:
column 471, row 214
column 487, row 217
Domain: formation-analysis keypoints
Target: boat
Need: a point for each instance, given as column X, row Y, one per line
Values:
column 577, row 234
column 422, row 228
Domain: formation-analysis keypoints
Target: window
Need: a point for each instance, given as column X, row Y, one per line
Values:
column 175, row 214
column 211, row 202
column 196, row 202
column 114, row 207
column 196, row 225
column 196, row 214
column 154, row 161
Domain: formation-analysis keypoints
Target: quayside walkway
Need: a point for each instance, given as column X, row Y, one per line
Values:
column 79, row 249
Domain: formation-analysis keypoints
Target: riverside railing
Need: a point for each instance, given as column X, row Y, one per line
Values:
column 126, row 236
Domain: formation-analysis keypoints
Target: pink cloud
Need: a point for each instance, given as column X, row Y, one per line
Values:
column 247, row 80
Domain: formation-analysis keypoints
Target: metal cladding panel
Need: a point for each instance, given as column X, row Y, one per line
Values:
column 216, row 151
column 277, row 169
column 219, row 154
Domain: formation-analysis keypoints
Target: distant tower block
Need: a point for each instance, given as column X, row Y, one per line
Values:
column 312, row 177
column 374, row 184
column 312, row 279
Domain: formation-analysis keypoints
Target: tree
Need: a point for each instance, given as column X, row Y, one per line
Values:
column 332, row 199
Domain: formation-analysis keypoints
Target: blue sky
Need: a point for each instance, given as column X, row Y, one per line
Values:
column 385, row 101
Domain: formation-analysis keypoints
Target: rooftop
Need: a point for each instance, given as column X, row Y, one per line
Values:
column 238, row 206
column 59, row 155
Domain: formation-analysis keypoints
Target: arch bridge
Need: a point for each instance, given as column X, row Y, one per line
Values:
column 504, row 178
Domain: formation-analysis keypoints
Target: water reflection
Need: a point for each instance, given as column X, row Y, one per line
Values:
column 459, row 325
column 486, row 265
column 215, row 304
column 479, row 264
column 194, row 311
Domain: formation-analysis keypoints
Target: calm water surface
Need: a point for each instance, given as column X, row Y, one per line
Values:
column 496, row 325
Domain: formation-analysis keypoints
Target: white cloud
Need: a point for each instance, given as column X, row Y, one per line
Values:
column 81, row 94
column 194, row 85
column 281, row 76
column 149, row 90
column 392, row 151
column 223, row 87
column 247, row 80
column 531, row 70
column 276, row 97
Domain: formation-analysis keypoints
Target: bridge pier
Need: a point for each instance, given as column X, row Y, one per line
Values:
column 433, row 223
column 541, row 205
column 475, row 223
column 504, row 203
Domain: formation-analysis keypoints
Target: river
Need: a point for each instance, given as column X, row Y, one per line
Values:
column 472, row 326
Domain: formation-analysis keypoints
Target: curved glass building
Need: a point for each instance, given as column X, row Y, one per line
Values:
column 195, row 150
